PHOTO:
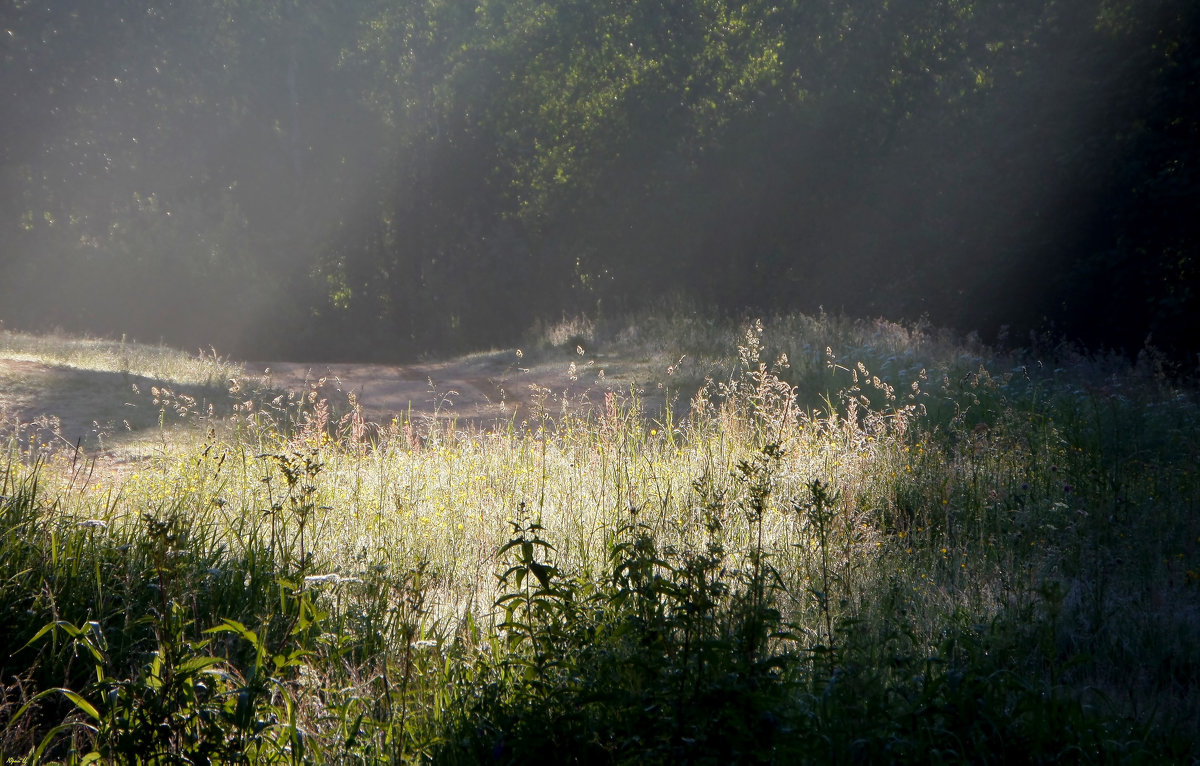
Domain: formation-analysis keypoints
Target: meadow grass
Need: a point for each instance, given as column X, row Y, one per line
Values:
column 159, row 362
column 113, row 396
column 852, row 541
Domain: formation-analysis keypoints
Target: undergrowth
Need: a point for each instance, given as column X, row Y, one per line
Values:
column 905, row 550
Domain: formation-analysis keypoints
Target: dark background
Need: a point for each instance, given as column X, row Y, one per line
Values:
column 384, row 179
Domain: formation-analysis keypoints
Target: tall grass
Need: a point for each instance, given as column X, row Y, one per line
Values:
column 863, row 542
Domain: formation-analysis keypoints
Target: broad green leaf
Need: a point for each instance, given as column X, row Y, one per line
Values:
column 81, row 703
column 197, row 664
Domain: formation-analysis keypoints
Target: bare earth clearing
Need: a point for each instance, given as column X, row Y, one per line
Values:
column 482, row 391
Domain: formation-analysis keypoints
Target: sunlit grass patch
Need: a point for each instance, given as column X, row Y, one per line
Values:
column 122, row 397
column 205, row 368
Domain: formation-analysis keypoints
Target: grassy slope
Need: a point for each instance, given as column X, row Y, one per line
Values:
column 1010, row 561
column 103, row 394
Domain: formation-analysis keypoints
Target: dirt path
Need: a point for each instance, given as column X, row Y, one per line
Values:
column 481, row 389
column 105, row 410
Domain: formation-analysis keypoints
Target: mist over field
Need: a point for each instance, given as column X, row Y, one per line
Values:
column 381, row 180
column 679, row 381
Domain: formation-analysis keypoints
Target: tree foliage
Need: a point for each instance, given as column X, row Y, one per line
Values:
column 389, row 178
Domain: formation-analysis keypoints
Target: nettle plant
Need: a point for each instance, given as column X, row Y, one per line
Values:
column 673, row 652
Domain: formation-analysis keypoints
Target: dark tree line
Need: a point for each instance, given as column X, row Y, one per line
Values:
column 317, row 178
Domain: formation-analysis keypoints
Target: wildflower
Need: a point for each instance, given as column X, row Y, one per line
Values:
column 94, row 524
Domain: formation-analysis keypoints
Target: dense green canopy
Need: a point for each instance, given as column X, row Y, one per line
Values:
column 383, row 178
